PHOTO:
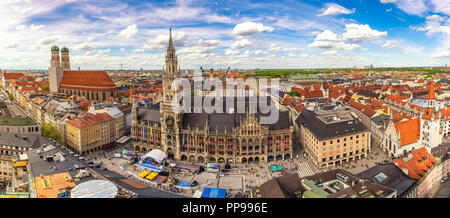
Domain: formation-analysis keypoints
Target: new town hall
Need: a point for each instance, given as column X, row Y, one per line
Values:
column 208, row 137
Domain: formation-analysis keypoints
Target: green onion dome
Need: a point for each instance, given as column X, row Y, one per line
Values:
column 55, row 48
column 64, row 49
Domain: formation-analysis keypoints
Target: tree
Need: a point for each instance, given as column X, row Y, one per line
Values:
column 294, row 93
column 50, row 131
column 45, row 88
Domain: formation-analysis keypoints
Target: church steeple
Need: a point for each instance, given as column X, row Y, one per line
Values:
column 171, row 58
column 170, row 40
column 431, row 95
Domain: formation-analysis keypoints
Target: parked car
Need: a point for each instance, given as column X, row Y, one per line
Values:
column 444, row 179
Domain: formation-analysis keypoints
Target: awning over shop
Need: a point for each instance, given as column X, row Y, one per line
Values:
column 20, row 164
column 144, row 173
column 151, row 176
column 123, row 139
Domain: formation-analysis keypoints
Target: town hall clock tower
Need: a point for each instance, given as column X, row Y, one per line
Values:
column 170, row 121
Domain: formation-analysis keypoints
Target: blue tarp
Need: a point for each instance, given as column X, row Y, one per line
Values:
column 150, row 167
column 183, row 184
column 214, row 193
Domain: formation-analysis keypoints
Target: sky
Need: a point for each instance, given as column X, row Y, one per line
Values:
column 244, row 34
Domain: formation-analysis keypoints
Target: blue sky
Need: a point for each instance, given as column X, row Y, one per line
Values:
column 104, row 34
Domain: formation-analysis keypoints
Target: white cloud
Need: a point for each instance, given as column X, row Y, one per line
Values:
column 214, row 18
column 201, row 47
column 327, row 35
column 431, row 30
column 334, row 45
column 230, row 51
column 354, row 34
column 414, row 7
column 434, row 25
column 36, row 27
column 260, row 52
column 442, row 54
column 274, row 48
column 20, row 27
column 48, row 40
column 250, row 28
column 242, row 43
column 162, row 41
column 291, row 49
column 181, row 11
column 435, row 17
column 389, row 44
column 387, row 1
column 14, row 45
column 85, row 46
column 129, row 32
column 334, row 9
column 360, row 33
column 329, row 52
column 441, row 6
column 89, row 53
column 304, row 55
column 104, row 51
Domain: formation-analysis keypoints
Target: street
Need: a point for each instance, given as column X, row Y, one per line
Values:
column 444, row 190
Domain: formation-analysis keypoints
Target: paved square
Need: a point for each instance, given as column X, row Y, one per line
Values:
column 231, row 182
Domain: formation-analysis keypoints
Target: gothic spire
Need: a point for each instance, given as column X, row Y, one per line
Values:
column 171, row 58
column 171, row 46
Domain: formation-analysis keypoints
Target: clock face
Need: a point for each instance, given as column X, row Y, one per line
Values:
column 169, row 87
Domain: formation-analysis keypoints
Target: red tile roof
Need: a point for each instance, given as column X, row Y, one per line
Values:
column 299, row 108
column 90, row 120
column 409, row 131
column 88, row 79
column 418, row 162
column 334, row 94
column 287, row 100
column 9, row 76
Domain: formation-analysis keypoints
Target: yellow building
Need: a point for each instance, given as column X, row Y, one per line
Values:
column 89, row 133
column 333, row 138
column 6, row 168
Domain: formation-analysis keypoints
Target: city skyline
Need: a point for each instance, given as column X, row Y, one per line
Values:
column 244, row 34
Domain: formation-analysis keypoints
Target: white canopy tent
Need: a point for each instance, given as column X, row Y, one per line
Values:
column 157, row 155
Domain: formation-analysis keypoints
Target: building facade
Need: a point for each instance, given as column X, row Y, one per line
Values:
column 332, row 138
column 90, row 133
column 202, row 137
column 93, row 85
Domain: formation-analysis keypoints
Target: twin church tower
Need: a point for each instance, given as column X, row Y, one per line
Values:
column 57, row 67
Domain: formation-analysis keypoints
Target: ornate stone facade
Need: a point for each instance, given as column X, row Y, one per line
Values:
column 202, row 137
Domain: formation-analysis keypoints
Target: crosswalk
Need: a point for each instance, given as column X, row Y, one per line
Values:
column 304, row 170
